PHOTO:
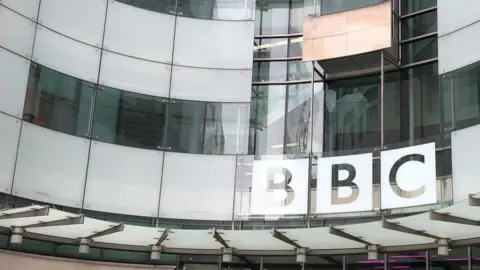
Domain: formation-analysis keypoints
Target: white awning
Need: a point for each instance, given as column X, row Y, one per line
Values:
column 458, row 224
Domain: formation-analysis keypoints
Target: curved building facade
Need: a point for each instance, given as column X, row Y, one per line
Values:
column 162, row 119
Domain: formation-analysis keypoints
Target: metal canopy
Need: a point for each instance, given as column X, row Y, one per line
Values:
column 457, row 223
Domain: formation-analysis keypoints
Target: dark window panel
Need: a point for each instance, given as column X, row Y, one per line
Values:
column 410, row 6
column 271, row 48
column 129, row 119
column 419, row 50
column 57, row 101
column 419, row 25
column 162, row 6
column 334, row 6
column 207, row 128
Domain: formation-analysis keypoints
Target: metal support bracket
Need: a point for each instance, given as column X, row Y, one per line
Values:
column 26, row 212
column 112, row 229
column 280, row 236
column 472, row 201
column 445, row 217
column 395, row 226
column 163, row 237
column 59, row 222
column 342, row 234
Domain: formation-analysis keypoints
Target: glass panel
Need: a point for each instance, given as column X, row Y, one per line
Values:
column 207, row 128
column 273, row 16
column 271, row 48
column 333, row 6
column 216, row 9
column 129, row 119
column 297, row 129
column 299, row 70
column 295, row 47
column 410, row 6
column 297, row 16
column 267, row 120
column 419, row 50
column 419, row 25
column 163, row 6
column 465, row 84
column 57, row 101
column 412, row 104
column 352, row 114
column 269, row 71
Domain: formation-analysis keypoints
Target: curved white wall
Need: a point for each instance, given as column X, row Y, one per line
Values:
column 458, row 28
column 131, row 49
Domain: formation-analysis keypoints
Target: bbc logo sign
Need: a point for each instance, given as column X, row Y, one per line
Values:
column 408, row 178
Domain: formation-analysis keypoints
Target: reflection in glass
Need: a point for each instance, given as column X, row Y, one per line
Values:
column 300, row 70
column 129, row 119
column 269, row 71
column 297, row 16
column 297, row 129
column 57, row 101
column 410, row 6
column 352, row 114
column 271, row 48
column 267, row 120
column 419, row 25
column 207, row 128
column 199, row 9
column 273, row 18
column 419, row 50
column 295, row 47
column 464, row 83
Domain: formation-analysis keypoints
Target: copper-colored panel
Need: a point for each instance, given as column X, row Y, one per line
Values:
column 370, row 17
column 348, row 33
column 324, row 48
column 372, row 39
column 324, row 26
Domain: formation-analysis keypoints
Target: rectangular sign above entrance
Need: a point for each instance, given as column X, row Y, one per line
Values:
column 345, row 183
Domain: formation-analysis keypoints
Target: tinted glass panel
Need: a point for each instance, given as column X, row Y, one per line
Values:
column 352, row 114
column 333, row 6
column 129, row 119
column 272, row 17
column 297, row 129
column 419, row 50
column 267, row 120
column 299, row 70
column 207, row 128
column 410, row 6
column 297, row 16
column 419, row 25
column 272, row 48
column 57, row 101
column 269, row 71
column 163, row 6
column 295, row 47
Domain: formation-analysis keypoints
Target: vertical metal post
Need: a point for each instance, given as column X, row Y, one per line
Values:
column 261, row 263
column 382, row 79
column 310, row 150
column 219, row 264
column 386, row 264
column 344, row 263
column 303, row 266
column 427, row 260
column 452, row 100
column 470, row 258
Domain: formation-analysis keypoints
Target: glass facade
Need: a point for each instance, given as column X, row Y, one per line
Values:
column 293, row 114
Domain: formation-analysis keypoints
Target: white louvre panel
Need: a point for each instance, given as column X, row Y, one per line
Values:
column 150, row 37
column 82, row 20
column 51, row 166
column 28, row 8
column 9, row 133
column 123, row 180
column 13, row 82
column 454, row 15
column 16, row 32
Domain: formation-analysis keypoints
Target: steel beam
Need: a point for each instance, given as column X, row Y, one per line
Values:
column 446, row 217
column 163, row 237
column 112, row 229
column 280, row 236
column 27, row 212
column 219, row 238
column 342, row 234
column 472, row 201
column 59, row 222
column 395, row 226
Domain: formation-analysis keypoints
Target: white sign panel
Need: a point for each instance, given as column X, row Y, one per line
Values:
column 280, row 187
column 344, row 184
column 408, row 176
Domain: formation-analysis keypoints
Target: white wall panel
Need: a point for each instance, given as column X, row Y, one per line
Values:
column 214, row 44
column 123, row 179
column 453, row 15
column 197, row 186
column 150, row 37
column 459, row 49
column 9, row 132
column 83, row 20
column 135, row 75
column 16, row 32
column 28, row 8
column 66, row 55
column 51, row 166
column 211, row 84
column 465, row 167
column 13, row 82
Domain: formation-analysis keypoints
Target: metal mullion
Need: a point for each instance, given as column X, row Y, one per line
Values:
column 279, row 36
column 417, row 38
column 413, row 14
